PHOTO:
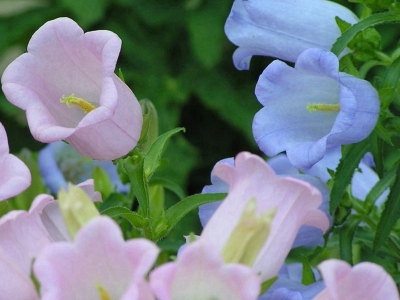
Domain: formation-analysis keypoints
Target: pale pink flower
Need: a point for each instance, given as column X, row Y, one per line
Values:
column 66, row 84
column 22, row 237
column 99, row 262
column 24, row 234
column 14, row 174
column 365, row 280
column 280, row 205
column 200, row 273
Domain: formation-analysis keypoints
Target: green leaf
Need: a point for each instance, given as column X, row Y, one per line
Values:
column 114, row 199
column 390, row 214
column 345, row 170
column 153, row 156
column 156, row 197
column 169, row 185
column 308, row 274
column 377, row 153
column 346, row 235
column 383, row 133
column 134, row 218
column 342, row 24
column 102, row 182
column 134, row 168
column 180, row 209
column 150, row 125
column 389, row 83
column 375, row 5
column 378, row 189
column 373, row 20
column 346, row 65
column 267, row 284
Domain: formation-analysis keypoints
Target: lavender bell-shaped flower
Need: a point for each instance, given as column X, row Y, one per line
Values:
column 312, row 107
column 283, row 29
column 66, row 84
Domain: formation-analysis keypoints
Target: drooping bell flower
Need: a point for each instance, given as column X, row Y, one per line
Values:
column 283, row 29
column 201, row 273
column 365, row 280
column 312, row 107
column 265, row 214
column 98, row 265
column 66, row 84
column 15, row 176
column 308, row 236
column 23, row 236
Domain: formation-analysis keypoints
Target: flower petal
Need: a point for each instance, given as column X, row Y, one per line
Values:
column 282, row 29
column 363, row 281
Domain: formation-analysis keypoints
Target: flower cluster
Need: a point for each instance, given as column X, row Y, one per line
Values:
column 102, row 237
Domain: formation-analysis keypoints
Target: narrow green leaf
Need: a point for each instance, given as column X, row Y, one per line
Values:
column 121, row 75
column 383, row 133
column 376, row 149
column 345, row 170
column 153, row 156
column 342, row 24
column 156, row 201
column 179, row 210
column 373, row 20
column 114, row 199
column 134, row 168
column 346, row 235
column 389, row 83
column 391, row 77
column 169, row 185
column 132, row 217
column 102, row 182
column 378, row 189
column 267, row 284
column 390, row 214
column 308, row 274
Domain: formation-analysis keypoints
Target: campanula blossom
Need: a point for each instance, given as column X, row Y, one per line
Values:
column 282, row 29
column 201, row 273
column 311, row 108
column 365, row 280
column 308, row 236
column 23, row 236
column 265, row 210
column 99, row 264
column 15, row 176
column 66, row 84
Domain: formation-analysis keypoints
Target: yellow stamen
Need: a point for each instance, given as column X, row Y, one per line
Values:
column 81, row 103
column 102, row 292
column 324, row 107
